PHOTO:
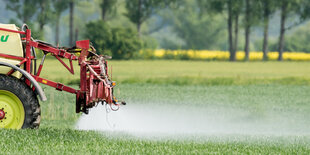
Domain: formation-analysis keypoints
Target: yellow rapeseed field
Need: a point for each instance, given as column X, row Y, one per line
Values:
column 224, row 55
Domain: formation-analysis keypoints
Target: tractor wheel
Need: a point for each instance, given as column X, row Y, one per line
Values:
column 19, row 106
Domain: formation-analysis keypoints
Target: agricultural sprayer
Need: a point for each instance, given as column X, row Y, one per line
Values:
column 20, row 77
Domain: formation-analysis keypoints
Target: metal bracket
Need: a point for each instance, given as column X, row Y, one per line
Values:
column 59, row 86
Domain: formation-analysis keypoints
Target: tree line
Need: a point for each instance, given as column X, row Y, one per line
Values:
column 254, row 12
column 116, row 41
column 239, row 14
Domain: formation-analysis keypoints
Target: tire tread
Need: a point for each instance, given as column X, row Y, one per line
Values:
column 27, row 97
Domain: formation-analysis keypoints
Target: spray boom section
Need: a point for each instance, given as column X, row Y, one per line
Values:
column 95, row 83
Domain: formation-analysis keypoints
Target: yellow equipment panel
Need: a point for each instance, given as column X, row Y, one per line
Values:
column 10, row 43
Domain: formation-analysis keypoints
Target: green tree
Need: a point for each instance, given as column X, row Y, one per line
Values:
column 233, row 9
column 59, row 7
column 24, row 9
column 237, row 6
column 299, row 40
column 26, row 13
column 122, row 43
column 106, row 7
column 44, row 15
column 72, row 4
column 268, row 8
column 138, row 11
column 251, row 17
column 299, row 8
column 191, row 27
column 71, row 21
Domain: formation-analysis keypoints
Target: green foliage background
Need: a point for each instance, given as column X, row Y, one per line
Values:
column 120, row 43
column 184, row 24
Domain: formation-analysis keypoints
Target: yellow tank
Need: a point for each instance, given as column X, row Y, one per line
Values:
column 10, row 43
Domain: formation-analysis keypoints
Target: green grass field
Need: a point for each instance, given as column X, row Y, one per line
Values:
column 266, row 92
column 194, row 72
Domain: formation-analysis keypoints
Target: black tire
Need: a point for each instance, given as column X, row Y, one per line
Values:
column 27, row 97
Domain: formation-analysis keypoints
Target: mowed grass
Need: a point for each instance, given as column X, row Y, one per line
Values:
column 193, row 72
column 260, row 99
column 66, row 141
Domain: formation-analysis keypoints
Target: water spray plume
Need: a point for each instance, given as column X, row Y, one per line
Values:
column 169, row 120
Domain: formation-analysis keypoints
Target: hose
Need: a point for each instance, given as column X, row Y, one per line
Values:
column 24, row 26
column 117, row 105
column 107, row 116
column 34, row 60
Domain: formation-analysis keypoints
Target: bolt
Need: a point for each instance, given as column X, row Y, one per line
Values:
column 2, row 114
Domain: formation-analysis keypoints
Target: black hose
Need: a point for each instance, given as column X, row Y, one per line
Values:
column 34, row 60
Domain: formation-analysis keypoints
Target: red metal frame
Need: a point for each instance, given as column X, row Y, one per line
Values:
column 94, row 87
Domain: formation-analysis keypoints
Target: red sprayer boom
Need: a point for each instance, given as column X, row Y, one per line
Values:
column 95, row 83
